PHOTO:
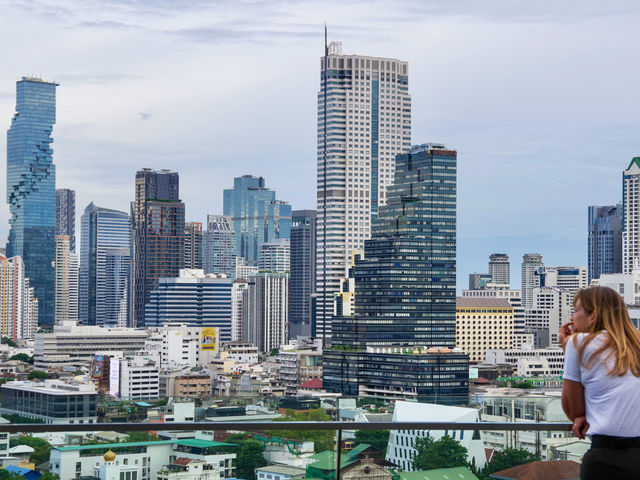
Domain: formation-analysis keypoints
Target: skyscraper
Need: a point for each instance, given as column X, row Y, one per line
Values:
column 530, row 262
column 265, row 316
column 605, row 240
column 275, row 256
column 364, row 120
column 193, row 298
column 499, row 268
column 302, row 271
column 104, row 266
column 19, row 312
column 157, row 225
column 219, row 246
column 193, row 245
column 256, row 216
column 630, row 215
column 31, row 180
column 405, row 293
column 66, row 215
column 66, row 269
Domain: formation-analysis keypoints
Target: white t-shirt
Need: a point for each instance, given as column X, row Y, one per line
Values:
column 613, row 402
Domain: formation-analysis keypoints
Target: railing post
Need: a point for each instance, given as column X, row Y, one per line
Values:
column 339, row 454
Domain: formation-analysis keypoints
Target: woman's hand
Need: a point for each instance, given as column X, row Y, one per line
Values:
column 580, row 427
column 565, row 332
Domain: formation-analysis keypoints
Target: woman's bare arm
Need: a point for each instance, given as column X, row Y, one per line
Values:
column 573, row 399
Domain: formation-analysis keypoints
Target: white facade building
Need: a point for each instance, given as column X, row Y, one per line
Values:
column 566, row 278
column 237, row 292
column 19, row 314
column 400, row 450
column 530, row 262
column 529, row 361
column 275, row 256
column 630, row 215
column 243, row 270
column 75, row 345
column 139, row 378
column 266, row 311
column 364, row 121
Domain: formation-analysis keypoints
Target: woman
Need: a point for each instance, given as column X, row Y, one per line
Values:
column 601, row 389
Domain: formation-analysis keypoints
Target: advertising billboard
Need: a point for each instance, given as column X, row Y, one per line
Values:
column 209, row 339
column 97, row 367
column 114, row 377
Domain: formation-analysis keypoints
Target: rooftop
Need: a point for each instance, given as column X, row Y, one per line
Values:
column 482, row 302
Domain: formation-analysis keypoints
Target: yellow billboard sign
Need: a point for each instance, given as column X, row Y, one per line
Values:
column 209, row 339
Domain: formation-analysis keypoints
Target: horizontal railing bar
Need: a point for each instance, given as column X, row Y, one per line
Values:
column 264, row 426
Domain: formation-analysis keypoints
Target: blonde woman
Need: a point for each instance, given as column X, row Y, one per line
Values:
column 601, row 389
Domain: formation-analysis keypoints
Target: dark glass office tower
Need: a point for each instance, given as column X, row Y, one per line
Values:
column 302, row 271
column 66, row 215
column 31, row 189
column 605, row 240
column 157, row 227
column 400, row 341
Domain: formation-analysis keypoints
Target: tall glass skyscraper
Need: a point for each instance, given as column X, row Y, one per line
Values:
column 104, row 266
column 364, row 121
column 219, row 246
column 256, row 215
column 405, row 292
column 31, row 189
column 157, row 225
column 303, row 271
column 605, row 240
column 66, row 215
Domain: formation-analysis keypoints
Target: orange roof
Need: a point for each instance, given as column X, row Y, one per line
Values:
column 313, row 384
column 183, row 461
column 556, row 469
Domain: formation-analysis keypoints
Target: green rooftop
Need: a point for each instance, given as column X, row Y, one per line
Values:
column 112, row 446
column 457, row 473
column 635, row 160
column 327, row 460
column 189, row 442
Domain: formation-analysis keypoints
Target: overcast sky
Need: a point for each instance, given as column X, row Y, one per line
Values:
column 540, row 99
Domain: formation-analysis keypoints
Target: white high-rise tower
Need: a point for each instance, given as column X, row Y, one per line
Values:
column 630, row 215
column 364, row 121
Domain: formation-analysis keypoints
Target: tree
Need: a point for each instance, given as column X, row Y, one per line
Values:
column 444, row 453
column 40, row 446
column 142, row 437
column 322, row 439
column 49, row 476
column 248, row 457
column 378, row 439
column 6, row 475
column 39, row 374
column 9, row 342
column 23, row 357
column 507, row 458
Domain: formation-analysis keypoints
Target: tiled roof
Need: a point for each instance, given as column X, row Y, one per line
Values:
column 314, row 383
column 556, row 469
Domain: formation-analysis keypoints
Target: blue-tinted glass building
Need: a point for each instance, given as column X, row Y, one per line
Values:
column 302, row 271
column 195, row 299
column 256, row 215
column 105, row 256
column 605, row 240
column 31, row 189
column 400, row 340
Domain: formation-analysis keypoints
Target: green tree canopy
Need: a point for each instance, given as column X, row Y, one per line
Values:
column 9, row 342
column 378, row 439
column 322, row 439
column 39, row 374
column 248, row 458
column 23, row 357
column 142, row 437
column 444, row 453
column 40, row 446
column 507, row 458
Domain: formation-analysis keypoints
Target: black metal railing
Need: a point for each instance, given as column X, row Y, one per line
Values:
column 339, row 427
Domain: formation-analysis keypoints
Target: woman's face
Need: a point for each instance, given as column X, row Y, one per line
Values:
column 582, row 320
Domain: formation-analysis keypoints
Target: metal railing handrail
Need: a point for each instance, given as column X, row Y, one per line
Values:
column 264, row 426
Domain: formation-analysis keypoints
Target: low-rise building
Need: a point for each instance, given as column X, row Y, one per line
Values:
column 148, row 458
column 51, row 401
column 529, row 361
column 280, row 472
column 75, row 345
column 188, row 469
column 182, row 384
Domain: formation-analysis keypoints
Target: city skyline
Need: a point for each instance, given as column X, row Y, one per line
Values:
column 530, row 112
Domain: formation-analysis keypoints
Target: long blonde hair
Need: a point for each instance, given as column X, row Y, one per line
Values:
column 611, row 315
